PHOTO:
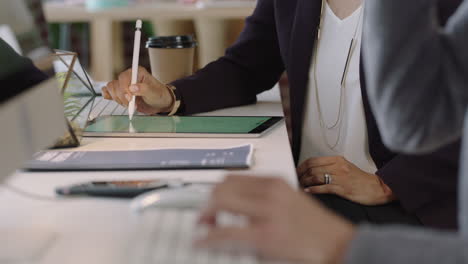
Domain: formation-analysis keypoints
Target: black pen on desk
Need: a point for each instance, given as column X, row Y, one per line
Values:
column 117, row 189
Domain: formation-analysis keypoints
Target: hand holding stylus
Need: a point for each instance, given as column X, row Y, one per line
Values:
column 152, row 96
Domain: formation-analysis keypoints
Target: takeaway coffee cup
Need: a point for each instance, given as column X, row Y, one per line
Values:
column 171, row 57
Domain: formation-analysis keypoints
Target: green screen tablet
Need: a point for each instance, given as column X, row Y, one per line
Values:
column 180, row 126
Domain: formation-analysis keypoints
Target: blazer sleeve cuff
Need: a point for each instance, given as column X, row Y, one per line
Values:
column 398, row 176
column 205, row 91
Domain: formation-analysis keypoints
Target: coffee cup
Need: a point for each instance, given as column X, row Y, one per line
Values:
column 171, row 57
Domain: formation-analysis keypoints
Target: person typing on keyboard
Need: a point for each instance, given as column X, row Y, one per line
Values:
column 284, row 224
column 336, row 145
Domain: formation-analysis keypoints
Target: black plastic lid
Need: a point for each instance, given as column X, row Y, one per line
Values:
column 172, row 42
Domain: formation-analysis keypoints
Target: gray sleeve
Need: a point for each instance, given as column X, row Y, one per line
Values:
column 402, row 244
column 417, row 72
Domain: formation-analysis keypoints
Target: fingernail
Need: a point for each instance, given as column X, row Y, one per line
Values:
column 129, row 97
column 134, row 88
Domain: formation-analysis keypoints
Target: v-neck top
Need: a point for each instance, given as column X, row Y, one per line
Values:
column 334, row 43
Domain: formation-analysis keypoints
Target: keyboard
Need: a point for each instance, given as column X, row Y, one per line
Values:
column 99, row 107
column 103, row 107
column 165, row 236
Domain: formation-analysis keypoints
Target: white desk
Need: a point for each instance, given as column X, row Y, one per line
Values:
column 209, row 25
column 94, row 230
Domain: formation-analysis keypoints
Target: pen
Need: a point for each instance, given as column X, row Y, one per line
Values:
column 136, row 56
column 123, row 189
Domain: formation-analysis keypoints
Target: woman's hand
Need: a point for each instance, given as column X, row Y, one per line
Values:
column 347, row 181
column 152, row 96
column 282, row 224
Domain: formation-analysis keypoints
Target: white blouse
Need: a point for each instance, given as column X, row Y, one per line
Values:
column 336, row 35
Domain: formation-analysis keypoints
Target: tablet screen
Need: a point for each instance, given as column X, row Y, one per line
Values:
column 182, row 124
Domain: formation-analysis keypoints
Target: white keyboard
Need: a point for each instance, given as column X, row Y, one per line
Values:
column 103, row 107
column 166, row 237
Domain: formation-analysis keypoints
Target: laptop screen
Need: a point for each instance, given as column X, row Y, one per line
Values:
column 31, row 107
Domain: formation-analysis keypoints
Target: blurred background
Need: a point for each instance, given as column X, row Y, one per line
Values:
column 101, row 31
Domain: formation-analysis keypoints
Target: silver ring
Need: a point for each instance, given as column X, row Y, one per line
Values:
column 327, row 178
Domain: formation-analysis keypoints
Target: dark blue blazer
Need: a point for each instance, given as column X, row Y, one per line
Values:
column 279, row 37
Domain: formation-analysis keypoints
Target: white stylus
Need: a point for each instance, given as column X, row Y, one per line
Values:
column 136, row 56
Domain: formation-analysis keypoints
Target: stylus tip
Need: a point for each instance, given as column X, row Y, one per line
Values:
column 139, row 24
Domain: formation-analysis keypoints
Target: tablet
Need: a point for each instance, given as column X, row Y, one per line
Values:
column 181, row 126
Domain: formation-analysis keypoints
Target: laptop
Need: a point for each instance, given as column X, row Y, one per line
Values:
column 28, row 124
column 31, row 114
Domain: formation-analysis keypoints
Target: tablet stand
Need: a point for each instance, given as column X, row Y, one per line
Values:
column 78, row 94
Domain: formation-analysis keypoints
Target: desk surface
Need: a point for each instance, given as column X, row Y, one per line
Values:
column 92, row 230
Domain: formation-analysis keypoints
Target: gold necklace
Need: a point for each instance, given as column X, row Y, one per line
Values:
column 338, row 122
